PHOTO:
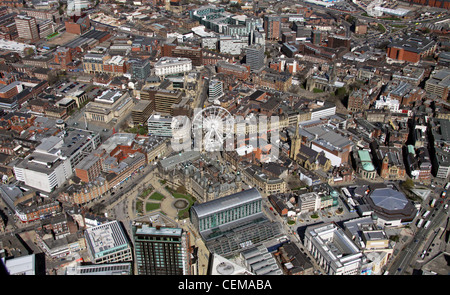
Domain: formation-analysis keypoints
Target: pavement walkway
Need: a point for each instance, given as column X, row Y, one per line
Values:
column 167, row 203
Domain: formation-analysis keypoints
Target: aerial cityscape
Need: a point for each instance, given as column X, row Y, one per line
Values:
column 224, row 137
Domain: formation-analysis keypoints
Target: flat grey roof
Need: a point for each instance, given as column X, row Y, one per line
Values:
column 163, row 231
column 172, row 161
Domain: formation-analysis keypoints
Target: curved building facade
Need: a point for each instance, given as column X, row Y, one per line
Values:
column 391, row 206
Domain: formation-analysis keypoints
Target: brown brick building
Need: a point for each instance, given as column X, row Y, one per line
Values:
column 193, row 53
column 89, row 168
column 411, row 49
column 63, row 56
column 433, row 3
column 78, row 24
column 236, row 70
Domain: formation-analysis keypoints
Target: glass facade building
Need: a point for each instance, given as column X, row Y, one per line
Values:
column 160, row 250
column 224, row 210
column 233, row 223
column 141, row 69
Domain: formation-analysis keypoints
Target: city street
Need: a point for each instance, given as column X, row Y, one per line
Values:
column 409, row 254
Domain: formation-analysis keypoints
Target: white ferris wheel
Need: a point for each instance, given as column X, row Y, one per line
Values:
column 212, row 126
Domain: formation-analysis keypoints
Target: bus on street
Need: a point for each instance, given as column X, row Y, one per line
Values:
column 419, row 224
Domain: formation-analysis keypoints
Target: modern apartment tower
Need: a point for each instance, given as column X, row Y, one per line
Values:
column 272, row 27
column 140, row 69
column 160, row 247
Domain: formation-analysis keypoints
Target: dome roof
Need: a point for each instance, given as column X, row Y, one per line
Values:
column 368, row 166
column 389, row 199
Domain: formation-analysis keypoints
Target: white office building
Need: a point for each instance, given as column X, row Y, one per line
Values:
column 43, row 171
column 387, row 102
column 172, row 65
column 333, row 250
column 309, row 202
column 324, row 109
column 160, row 125
column 23, row 265
column 53, row 161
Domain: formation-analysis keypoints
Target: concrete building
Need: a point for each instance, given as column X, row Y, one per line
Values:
column 439, row 84
column 75, row 6
column 333, row 250
column 219, row 265
column 166, row 99
column 366, row 234
column 439, row 136
column 108, row 243
column 109, row 105
column 23, row 265
column 124, row 268
column 43, row 171
column 309, row 202
column 46, row 28
column 320, row 109
column 141, row 112
column 27, row 27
